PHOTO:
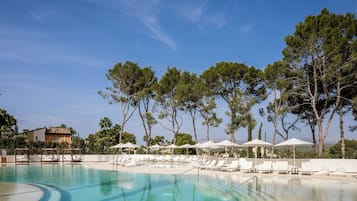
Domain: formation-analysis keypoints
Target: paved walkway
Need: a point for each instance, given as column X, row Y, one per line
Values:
column 19, row 192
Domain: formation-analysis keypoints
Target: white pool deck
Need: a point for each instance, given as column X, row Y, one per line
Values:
column 188, row 169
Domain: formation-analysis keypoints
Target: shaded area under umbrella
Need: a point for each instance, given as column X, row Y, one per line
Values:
column 293, row 142
column 225, row 144
column 257, row 143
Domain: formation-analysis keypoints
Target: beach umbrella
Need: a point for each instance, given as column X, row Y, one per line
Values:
column 117, row 146
column 256, row 143
column 293, row 142
column 156, row 146
column 207, row 146
column 225, row 144
column 130, row 145
column 187, row 146
column 172, row 147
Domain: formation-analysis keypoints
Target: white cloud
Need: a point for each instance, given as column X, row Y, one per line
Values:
column 146, row 12
column 199, row 14
column 42, row 14
column 245, row 28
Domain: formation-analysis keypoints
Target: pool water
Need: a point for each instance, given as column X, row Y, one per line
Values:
column 74, row 182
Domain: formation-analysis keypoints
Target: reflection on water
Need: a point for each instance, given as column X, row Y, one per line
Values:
column 89, row 184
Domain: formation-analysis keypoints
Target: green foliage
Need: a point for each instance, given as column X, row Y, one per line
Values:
column 351, row 149
column 128, row 137
column 159, row 139
column 102, row 140
column 8, row 123
column 239, row 86
column 322, row 47
column 105, row 123
column 183, row 138
column 167, row 98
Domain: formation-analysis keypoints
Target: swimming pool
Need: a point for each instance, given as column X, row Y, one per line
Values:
column 74, row 182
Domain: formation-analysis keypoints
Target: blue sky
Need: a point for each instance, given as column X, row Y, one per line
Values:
column 54, row 54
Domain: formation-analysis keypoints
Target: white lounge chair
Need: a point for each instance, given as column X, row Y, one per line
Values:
column 218, row 166
column 282, row 167
column 22, row 158
column 306, row 168
column 339, row 172
column 132, row 163
column 233, row 166
column 246, row 166
column 265, row 167
column 210, row 165
column 323, row 171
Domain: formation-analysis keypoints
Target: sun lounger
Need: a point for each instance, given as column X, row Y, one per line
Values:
column 323, row 171
column 76, row 158
column 22, row 159
column 201, row 163
column 265, row 167
column 132, row 163
column 246, row 166
column 233, row 166
column 339, row 172
column 210, row 165
column 306, row 168
column 49, row 158
column 282, row 167
column 218, row 166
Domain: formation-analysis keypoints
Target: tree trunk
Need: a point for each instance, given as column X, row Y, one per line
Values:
column 207, row 132
column 250, row 150
column 144, row 125
column 193, row 116
column 321, row 139
column 342, row 133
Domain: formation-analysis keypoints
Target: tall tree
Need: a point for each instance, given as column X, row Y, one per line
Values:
column 249, row 122
column 277, row 82
column 105, row 123
column 210, row 118
column 124, row 78
column 189, row 95
column 7, row 122
column 260, row 138
column 166, row 98
column 145, row 97
column 319, row 47
column 239, row 86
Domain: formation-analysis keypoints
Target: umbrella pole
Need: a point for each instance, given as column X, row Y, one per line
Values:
column 256, row 149
column 294, row 154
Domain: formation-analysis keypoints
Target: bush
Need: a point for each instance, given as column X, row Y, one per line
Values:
column 350, row 149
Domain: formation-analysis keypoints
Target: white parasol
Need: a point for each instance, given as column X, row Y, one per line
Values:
column 293, row 142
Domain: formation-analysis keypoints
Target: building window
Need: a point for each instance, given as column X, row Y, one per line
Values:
column 57, row 138
column 36, row 138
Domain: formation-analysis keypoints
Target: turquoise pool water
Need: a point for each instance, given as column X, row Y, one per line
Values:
column 74, row 182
